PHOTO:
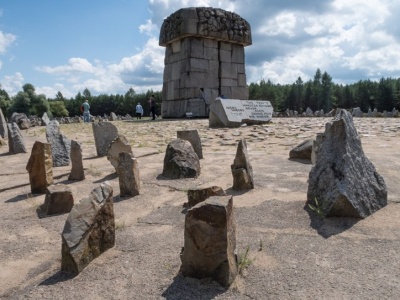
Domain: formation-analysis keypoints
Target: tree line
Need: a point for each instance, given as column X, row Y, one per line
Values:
column 322, row 93
column 318, row 93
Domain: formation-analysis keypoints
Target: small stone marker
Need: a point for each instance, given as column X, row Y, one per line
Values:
column 15, row 140
column 59, row 200
column 117, row 146
column 113, row 117
column 77, row 172
column 3, row 126
column 233, row 113
column 193, row 137
column 242, row 170
column 343, row 180
column 89, row 230
column 40, row 167
column 180, row 160
column 196, row 196
column 129, row 176
column 21, row 120
column 104, row 133
column 60, row 144
column 210, row 241
column 45, row 119
column 302, row 150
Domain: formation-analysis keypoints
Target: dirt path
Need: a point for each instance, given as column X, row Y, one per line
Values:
column 294, row 255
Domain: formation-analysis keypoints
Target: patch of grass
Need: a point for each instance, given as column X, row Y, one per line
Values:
column 120, row 225
column 260, row 246
column 318, row 209
column 244, row 260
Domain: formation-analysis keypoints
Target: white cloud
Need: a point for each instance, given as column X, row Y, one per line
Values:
column 75, row 64
column 12, row 84
column 283, row 24
column 6, row 39
column 149, row 28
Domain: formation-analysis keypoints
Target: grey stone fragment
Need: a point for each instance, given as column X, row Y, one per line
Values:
column 104, row 133
column 302, row 150
column 89, row 230
column 58, row 200
column 198, row 195
column 117, row 146
column 21, row 120
column 16, row 142
column 45, row 119
column 343, row 180
column 210, row 241
column 193, row 137
column 3, row 126
column 60, row 144
column 128, row 174
column 77, row 171
column 40, row 167
column 113, row 117
column 181, row 161
column 241, row 168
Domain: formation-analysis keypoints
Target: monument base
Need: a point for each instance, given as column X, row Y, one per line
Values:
column 180, row 108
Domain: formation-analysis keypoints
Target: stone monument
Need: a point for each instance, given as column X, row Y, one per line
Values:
column 204, row 50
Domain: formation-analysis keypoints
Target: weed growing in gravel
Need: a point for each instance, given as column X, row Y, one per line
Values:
column 317, row 208
column 119, row 225
column 244, row 260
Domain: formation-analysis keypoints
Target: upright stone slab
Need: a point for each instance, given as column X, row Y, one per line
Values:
column 343, row 180
column 16, row 142
column 242, row 170
column 3, row 126
column 104, row 133
column 60, row 144
column 59, row 200
column 77, row 172
column 21, row 120
column 89, row 230
column 180, row 160
column 204, row 49
column 193, row 137
column 113, row 117
column 117, row 146
column 128, row 174
column 198, row 195
column 233, row 112
column 40, row 167
column 45, row 119
column 210, row 241
column 302, row 150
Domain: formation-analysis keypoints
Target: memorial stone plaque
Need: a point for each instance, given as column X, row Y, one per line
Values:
column 233, row 113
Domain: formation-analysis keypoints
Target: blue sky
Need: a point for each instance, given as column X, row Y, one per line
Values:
column 109, row 46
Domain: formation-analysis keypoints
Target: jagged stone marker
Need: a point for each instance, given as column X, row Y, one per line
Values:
column 242, row 170
column 89, row 230
column 40, row 167
column 210, row 241
column 343, row 182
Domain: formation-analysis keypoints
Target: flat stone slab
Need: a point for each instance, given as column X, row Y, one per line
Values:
column 233, row 112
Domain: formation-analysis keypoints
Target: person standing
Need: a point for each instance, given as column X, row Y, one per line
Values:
column 152, row 101
column 139, row 111
column 86, row 111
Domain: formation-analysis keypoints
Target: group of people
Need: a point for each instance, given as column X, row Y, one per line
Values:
column 85, row 109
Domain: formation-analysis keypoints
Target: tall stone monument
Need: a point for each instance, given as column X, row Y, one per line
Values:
column 204, row 50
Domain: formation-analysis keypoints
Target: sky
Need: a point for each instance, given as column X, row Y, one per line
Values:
column 110, row 46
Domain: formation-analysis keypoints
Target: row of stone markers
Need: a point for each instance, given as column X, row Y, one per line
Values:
column 356, row 112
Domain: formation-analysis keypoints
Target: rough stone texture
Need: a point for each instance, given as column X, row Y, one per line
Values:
column 242, row 170
column 40, row 167
column 45, row 119
column 181, row 161
column 344, row 181
column 302, row 150
column 210, row 241
column 60, row 144
column 357, row 112
column 104, row 133
column 117, row 146
column 198, row 195
column 193, row 137
column 77, row 172
column 21, row 120
column 204, row 49
column 316, row 146
column 128, row 174
column 89, row 230
column 3, row 126
column 59, row 200
column 113, row 117
column 15, row 140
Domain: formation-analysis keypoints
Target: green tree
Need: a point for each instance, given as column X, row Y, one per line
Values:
column 5, row 101
column 326, row 92
column 58, row 109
